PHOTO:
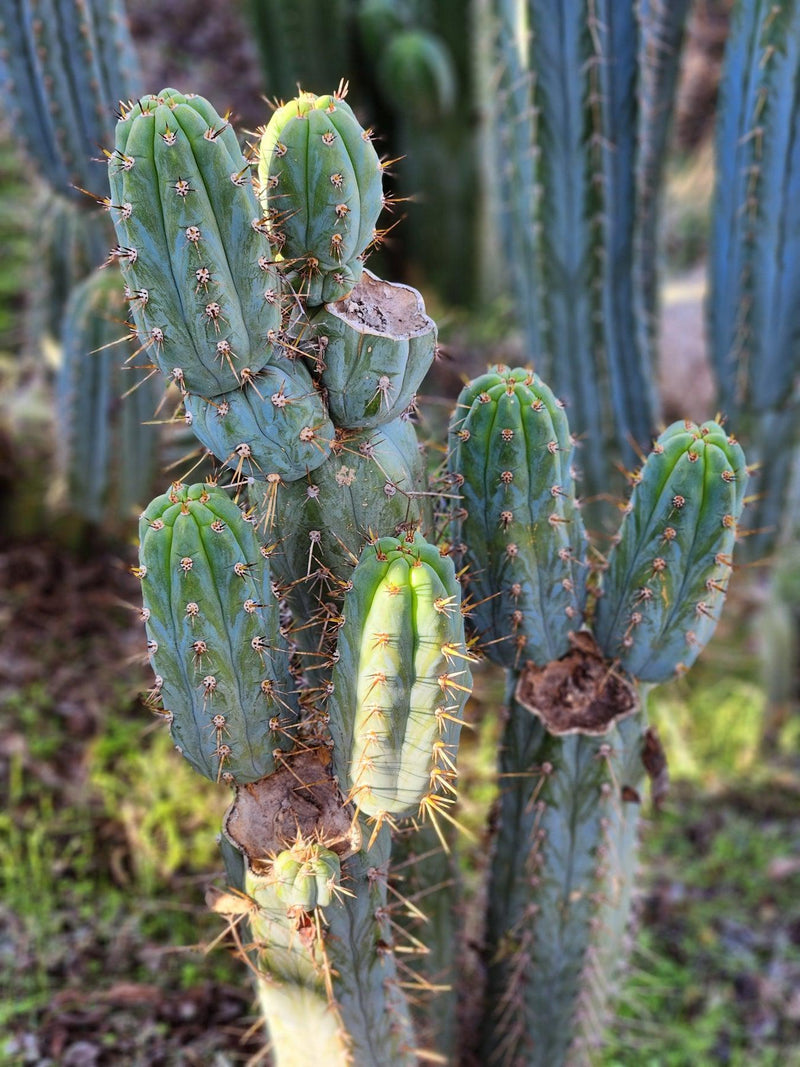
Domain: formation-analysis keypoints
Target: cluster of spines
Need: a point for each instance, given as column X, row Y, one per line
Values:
column 322, row 212
column 517, row 527
column 307, row 875
column 109, row 463
column 222, row 669
column 182, row 195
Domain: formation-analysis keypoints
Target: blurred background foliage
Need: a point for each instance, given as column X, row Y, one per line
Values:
column 106, row 839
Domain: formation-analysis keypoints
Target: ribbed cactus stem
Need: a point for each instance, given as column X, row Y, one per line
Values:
column 63, row 63
column 562, row 871
column 754, row 257
column 107, row 456
column 568, row 84
column 330, row 965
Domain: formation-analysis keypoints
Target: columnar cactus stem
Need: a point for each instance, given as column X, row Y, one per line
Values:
column 568, row 83
column 108, row 463
column 400, row 682
column 62, row 62
column 562, row 873
column 754, row 259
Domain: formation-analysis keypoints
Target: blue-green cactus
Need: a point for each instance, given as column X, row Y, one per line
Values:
column 192, row 244
column 517, row 526
column 668, row 572
column 321, row 186
column 401, row 680
column 221, row 665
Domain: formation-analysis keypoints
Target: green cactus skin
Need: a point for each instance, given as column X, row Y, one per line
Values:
column 298, row 47
column 518, row 526
column 62, row 63
column 668, row 572
column 108, row 458
column 222, row 671
column 560, row 887
column 401, row 679
column 192, row 243
column 322, row 188
column 374, row 347
column 416, row 71
column 566, row 120
column 274, row 427
column 661, row 33
column 361, row 1017
column 368, row 485
column 426, row 872
column 73, row 243
column 754, row 258
column 306, row 875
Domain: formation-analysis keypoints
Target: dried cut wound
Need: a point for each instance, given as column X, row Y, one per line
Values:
column 579, row 693
column 383, row 307
column 300, row 797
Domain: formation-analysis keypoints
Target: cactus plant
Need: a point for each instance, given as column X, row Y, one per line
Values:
column 753, row 262
column 367, row 655
column 108, row 463
column 321, row 189
column 568, row 83
column 62, row 67
column 573, row 750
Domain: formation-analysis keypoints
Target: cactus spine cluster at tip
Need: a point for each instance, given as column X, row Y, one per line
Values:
column 516, row 525
column 306, row 875
column 221, row 666
column 401, row 679
column 668, row 572
column 322, row 190
column 566, row 123
column 108, row 461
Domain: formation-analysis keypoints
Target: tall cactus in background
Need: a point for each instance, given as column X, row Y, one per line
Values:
column 335, row 715
column 106, row 453
column 61, row 66
column 754, row 306
column 661, row 33
column 568, row 135
column 412, row 67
